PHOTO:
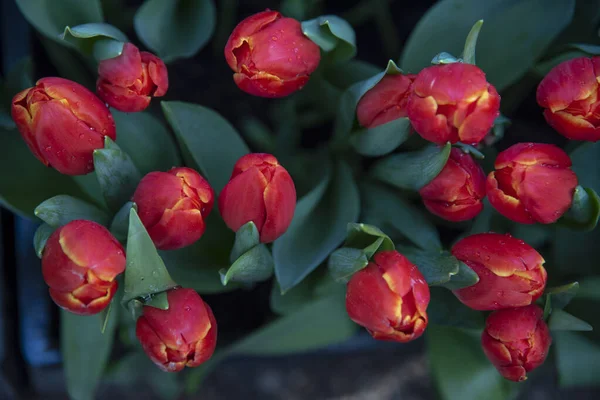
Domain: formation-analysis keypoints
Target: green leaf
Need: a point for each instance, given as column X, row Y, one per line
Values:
column 445, row 58
column 318, row 227
column 471, row 42
column 255, row 265
column 344, row 262
column 69, row 63
column 62, row 209
column 577, row 360
column 246, row 238
column 51, row 17
column 441, row 268
column 383, row 207
column 158, row 300
column 85, row 350
column 120, row 223
column 332, row 34
column 363, row 235
column 213, row 143
column 147, row 141
column 21, row 192
column 96, row 39
column 175, row 29
column 145, row 273
column 459, row 367
column 530, row 26
column 412, row 170
column 585, row 210
column 344, row 75
column 42, row 233
column 117, row 175
column 562, row 295
column 382, row 139
column 294, row 299
column 563, row 321
column 446, row 310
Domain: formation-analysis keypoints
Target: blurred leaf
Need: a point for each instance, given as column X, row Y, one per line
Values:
column 471, row 42
column 333, row 35
column 459, row 367
column 585, row 210
column 147, row 141
column 577, row 360
column 535, row 235
column 562, row 295
column 93, row 40
column 563, row 321
column 345, row 75
column 17, row 79
column 69, row 63
column 42, row 233
column 361, row 236
column 51, row 17
column 294, row 299
column 175, row 29
column 85, row 350
column 255, row 265
column 246, row 238
column 589, row 288
column 145, row 273
column 445, row 309
column 211, row 140
column 119, row 225
column 412, row 170
column 62, row 209
column 529, row 25
column 382, row 139
column 21, row 192
column 318, row 227
column 344, row 262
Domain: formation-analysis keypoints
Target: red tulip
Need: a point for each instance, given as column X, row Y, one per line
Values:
column 569, row 96
column 532, row 183
column 451, row 103
column 511, row 273
column 173, row 206
column 262, row 191
column 456, row 194
column 185, row 335
column 389, row 298
column 62, row 123
column 129, row 81
column 516, row 341
column 270, row 56
column 80, row 263
column 385, row 102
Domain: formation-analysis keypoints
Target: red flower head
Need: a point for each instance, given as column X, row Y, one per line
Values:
column 173, row 206
column 532, row 183
column 185, row 335
column 129, row 81
column 62, row 123
column 385, row 102
column 389, row 297
column 270, row 56
column 457, row 192
column 569, row 96
column 80, row 263
column 451, row 103
column 511, row 273
column 262, row 191
column 516, row 341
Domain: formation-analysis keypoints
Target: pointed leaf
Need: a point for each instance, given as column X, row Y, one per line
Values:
column 471, row 43
column 294, row 299
column 158, row 300
column 585, row 210
column 120, row 223
column 246, row 238
column 344, row 262
column 40, row 238
column 332, row 34
column 361, row 235
column 62, row 209
column 563, row 321
column 382, row 139
column 255, row 265
column 85, row 37
column 562, row 295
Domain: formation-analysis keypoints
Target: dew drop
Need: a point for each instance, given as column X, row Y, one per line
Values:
column 81, row 136
column 187, row 308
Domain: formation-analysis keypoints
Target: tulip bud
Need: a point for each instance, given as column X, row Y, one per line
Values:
column 80, row 263
column 183, row 335
column 389, row 297
column 511, row 273
column 451, row 103
column 569, row 96
column 262, row 191
column 270, row 56
column 385, row 102
column 62, row 123
column 457, row 192
column 532, row 183
column 129, row 81
column 516, row 341
column 173, row 206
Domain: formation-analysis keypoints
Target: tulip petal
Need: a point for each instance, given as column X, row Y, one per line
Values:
column 124, row 69
column 528, row 154
column 573, row 127
column 266, row 85
column 385, row 102
column 122, row 98
column 205, row 347
column 280, row 203
column 177, row 229
column 157, row 71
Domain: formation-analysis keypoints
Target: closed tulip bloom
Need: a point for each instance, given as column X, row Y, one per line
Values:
column 511, row 273
column 385, row 102
column 389, row 297
column 62, row 123
column 516, row 341
column 80, row 263
column 129, row 81
column 184, row 335
column 533, row 182
column 270, row 56
column 262, row 191
column 569, row 96
column 452, row 103
column 456, row 194
column 173, row 206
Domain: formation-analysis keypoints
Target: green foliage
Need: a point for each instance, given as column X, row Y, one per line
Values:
column 98, row 39
column 62, row 209
column 332, row 34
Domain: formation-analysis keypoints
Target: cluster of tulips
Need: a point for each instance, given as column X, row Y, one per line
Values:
column 63, row 123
